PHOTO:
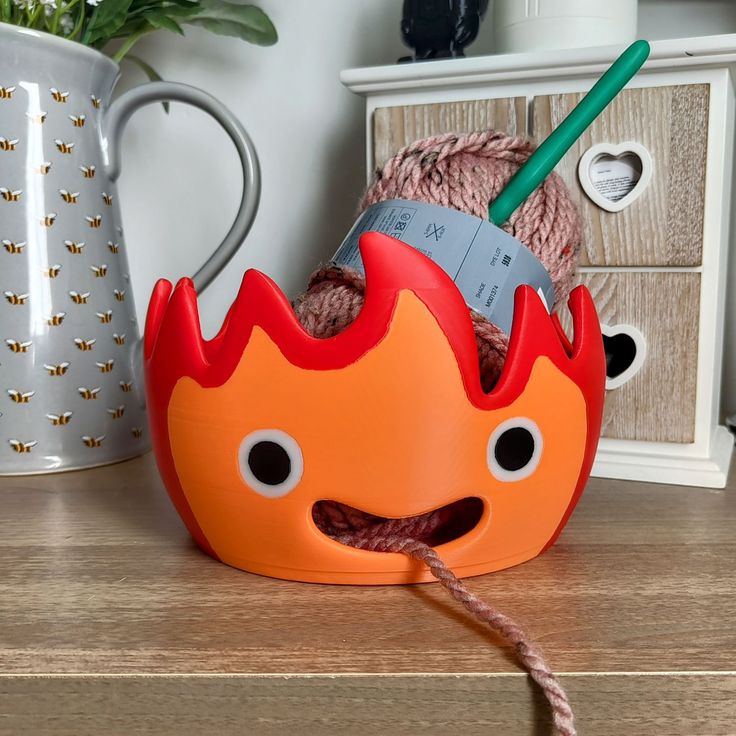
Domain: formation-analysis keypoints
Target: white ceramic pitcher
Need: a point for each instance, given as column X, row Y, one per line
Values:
column 71, row 393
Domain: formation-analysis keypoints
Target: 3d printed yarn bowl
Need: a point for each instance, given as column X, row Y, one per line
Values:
column 256, row 427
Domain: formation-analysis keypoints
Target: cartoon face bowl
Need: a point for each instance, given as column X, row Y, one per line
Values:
column 255, row 429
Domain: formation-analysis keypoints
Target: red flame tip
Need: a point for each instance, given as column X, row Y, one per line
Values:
column 391, row 267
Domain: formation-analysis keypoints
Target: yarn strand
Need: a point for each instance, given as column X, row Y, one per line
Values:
column 529, row 654
column 464, row 172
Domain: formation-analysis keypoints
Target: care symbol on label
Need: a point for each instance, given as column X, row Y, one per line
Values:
column 434, row 231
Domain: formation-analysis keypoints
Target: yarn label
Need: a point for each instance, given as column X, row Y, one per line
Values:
column 486, row 263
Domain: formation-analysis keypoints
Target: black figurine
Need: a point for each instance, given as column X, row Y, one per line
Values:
column 440, row 29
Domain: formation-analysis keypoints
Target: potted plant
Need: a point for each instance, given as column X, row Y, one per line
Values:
column 96, row 23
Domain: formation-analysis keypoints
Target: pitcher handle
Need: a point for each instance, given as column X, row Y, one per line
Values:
column 120, row 112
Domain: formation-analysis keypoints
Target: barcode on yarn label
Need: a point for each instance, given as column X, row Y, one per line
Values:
column 486, row 263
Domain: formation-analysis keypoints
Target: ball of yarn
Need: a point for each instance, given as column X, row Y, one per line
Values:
column 465, row 172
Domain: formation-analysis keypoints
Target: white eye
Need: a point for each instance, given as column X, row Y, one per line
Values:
column 271, row 462
column 514, row 449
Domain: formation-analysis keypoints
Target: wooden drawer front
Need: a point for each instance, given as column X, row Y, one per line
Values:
column 658, row 403
column 664, row 226
column 396, row 127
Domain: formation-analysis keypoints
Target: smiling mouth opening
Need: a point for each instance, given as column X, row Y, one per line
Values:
column 346, row 524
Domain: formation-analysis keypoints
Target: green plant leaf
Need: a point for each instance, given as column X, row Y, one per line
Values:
column 106, row 18
column 247, row 22
column 131, row 26
column 150, row 72
column 158, row 20
column 138, row 7
column 6, row 10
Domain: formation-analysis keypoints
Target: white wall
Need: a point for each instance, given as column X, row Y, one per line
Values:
column 180, row 183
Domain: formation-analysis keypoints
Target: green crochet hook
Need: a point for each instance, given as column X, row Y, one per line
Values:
column 553, row 148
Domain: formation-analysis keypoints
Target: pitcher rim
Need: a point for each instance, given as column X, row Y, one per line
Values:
column 64, row 44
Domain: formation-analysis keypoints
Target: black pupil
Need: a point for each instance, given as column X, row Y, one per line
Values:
column 269, row 462
column 514, row 448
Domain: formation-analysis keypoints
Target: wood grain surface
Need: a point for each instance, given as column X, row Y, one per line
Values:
column 396, row 127
column 363, row 705
column 658, row 403
column 111, row 621
column 665, row 225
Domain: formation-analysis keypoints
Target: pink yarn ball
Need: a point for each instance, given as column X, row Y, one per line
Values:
column 465, row 172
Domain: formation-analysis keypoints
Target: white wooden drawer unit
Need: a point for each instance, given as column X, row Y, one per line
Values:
column 657, row 266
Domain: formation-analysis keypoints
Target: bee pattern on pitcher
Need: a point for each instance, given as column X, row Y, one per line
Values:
column 15, row 299
column 48, row 220
column 88, row 172
column 44, row 168
column 72, row 247
column 56, row 319
column 59, row 96
column 6, row 93
column 96, row 102
column 117, row 412
column 105, row 367
column 119, row 294
column 88, row 394
column 78, row 121
column 18, row 347
column 94, row 220
column 99, row 271
column 10, row 195
column 78, row 298
column 126, row 386
column 104, row 317
column 8, row 144
column 118, row 339
column 84, row 345
column 114, row 247
column 93, row 441
column 63, row 146
column 12, row 247
column 20, row 397
column 69, row 197
column 22, row 447
column 60, row 420
column 39, row 118
column 52, row 271
column 137, row 432
column 57, row 370
column 107, row 198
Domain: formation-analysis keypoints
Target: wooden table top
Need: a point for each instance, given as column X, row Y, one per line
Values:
column 635, row 607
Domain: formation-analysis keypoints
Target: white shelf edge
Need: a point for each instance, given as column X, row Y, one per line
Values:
column 691, row 52
column 668, row 464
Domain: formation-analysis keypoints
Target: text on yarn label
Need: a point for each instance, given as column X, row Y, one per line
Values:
column 486, row 263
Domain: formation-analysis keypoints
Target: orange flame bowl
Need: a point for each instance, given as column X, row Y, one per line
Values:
column 256, row 426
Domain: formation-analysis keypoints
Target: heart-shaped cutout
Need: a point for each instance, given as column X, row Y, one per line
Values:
column 614, row 176
column 626, row 350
